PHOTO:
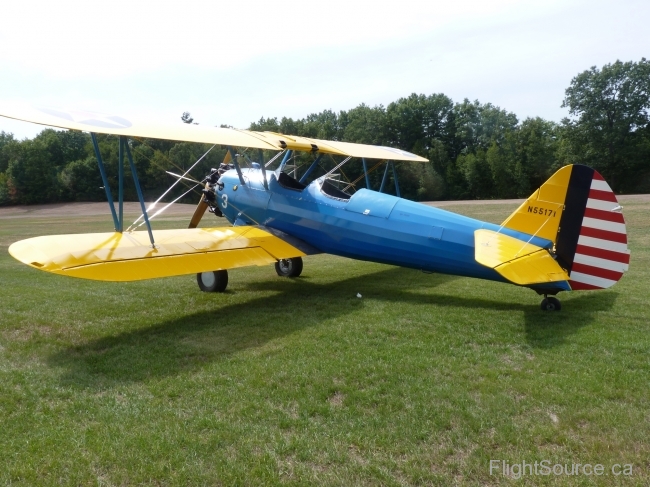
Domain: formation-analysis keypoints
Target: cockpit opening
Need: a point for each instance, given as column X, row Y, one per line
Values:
column 332, row 191
column 288, row 182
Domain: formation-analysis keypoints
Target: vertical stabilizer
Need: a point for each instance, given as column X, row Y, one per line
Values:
column 578, row 211
column 541, row 213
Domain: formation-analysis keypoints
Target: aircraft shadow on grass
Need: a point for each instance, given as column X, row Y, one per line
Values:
column 191, row 341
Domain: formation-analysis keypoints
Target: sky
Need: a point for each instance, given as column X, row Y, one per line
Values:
column 235, row 62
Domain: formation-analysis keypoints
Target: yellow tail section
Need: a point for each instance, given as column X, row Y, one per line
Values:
column 578, row 212
column 520, row 262
column 540, row 214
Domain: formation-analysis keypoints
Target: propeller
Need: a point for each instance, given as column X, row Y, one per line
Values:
column 203, row 204
column 198, row 213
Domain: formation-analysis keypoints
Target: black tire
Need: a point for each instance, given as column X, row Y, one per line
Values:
column 289, row 267
column 212, row 282
column 551, row 304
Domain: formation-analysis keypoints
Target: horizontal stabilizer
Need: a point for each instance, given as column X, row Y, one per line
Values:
column 519, row 262
column 130, row 257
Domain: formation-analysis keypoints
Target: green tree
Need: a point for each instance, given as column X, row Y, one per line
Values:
column 266, row 124
column 4, row 190
column 430, row 185
column 609, row 129
column 81, row 180
column 31, row 178
column 323, row 125
column 63, row 146
column 481, row 144
column 537, row 145
column 477, row 175
column 416, row 122
column 441, row 165
column 7, row 142
column 364, row 125
column 477, row 126
column 501, row 162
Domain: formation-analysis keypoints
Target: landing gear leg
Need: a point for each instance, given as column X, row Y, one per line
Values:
column 550, row 304
column 289, row 267
column 213, row 281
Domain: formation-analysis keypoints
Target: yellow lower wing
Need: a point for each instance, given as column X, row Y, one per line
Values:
column 130, row 257
column 520, row 262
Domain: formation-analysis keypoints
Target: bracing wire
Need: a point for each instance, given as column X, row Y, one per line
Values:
column 274, row 158
column 152, row 161
column 339, row 165
column 165, row 207
column 153, row 205
column 353, row 183
column 191, row 180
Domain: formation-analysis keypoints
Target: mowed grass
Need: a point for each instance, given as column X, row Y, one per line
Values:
column 422, row 381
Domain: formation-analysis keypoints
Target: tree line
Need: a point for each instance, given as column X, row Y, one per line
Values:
column 475, row 150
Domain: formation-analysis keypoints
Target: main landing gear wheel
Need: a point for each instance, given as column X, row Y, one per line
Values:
column 289, row 267
column 551, row 304
column 213, row 281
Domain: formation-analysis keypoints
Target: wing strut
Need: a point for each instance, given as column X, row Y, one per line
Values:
column 383, row 180
column 120, row 185
column 263, row 168
column 233, row 156
column 124, row 143
column 389, row 165
column 392, row 164
column 286, row 158
column 365, row 172
column 311, row 168
column 118, row 219
column 107, row 188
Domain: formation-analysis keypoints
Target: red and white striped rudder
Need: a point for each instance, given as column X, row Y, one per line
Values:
column 601, row 254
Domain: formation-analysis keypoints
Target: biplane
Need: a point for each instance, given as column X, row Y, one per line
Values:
column 568, row 235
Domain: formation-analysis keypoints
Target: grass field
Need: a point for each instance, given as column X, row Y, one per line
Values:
column 422, row 381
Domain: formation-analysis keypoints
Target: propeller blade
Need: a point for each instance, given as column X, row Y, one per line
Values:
column 198, row 214
column 202, row 206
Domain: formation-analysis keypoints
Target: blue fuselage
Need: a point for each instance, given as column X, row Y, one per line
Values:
column 368, row 226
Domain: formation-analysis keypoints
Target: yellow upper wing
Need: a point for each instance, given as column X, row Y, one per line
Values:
column 112, row 124
column 130, row 257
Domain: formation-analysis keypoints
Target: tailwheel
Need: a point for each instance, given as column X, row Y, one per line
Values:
column 213, row 281
column 551, row 304
column 289, row 267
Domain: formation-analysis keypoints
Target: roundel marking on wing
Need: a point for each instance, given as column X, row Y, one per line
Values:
column 90, row 118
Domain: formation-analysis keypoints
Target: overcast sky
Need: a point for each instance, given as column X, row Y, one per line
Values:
column 234, row 62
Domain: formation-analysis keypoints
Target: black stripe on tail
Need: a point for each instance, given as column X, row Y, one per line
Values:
column 575, row 204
